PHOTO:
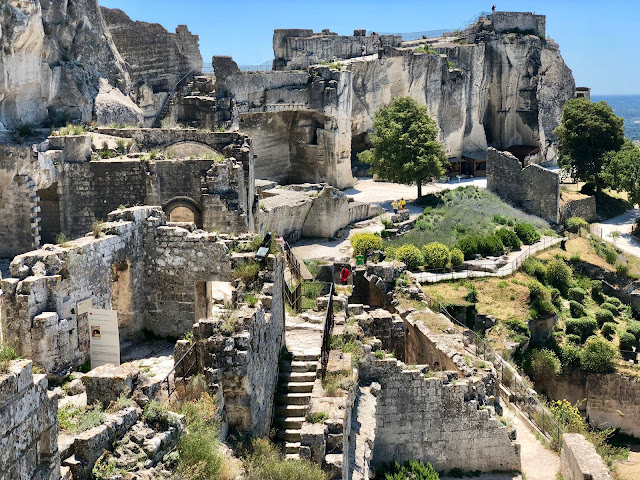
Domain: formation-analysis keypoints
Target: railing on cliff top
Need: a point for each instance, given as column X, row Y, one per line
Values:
column 519, row 393
column 292, row 289
column 184, row 371
column 326, row 333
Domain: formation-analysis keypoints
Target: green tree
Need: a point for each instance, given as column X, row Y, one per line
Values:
column 587, row 132
column 406, row 147
column 622, row 170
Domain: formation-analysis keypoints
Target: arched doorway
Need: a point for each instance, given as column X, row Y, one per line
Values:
column 183, row 209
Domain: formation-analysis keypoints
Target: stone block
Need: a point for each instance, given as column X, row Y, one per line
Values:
column 106, row 383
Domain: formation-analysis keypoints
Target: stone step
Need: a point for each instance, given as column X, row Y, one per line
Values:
column 291, row 410
column 298, row 376
column 289, row 435
column 289, row 447
column 292, row 456
column 290, row 422
column 299, row 387
column 295, row 399
column 304, row 357
column 296, row 366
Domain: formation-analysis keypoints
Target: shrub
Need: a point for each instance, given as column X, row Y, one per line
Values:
column 457, row 257
column 7, row 354
column 318, row 417
column 527, row 233
column 603, row 316
column 608, row 306
column 535, row 268
column 157, row 415
column 608, row 330
column 583, row 327
column 576, row 309
column 247, row 271
column 622, row 269
column 365, row 241
column 610, row 254
column 267, row 462
column 574, row 224
column 411, row 470
column 379, row 354
column 519, row 330
column 614, row 301
column 410, row 255
column 627, row 341
column 502, row 220
column 540, row 298
column 75, row 420
column 559, row 275
column 596, row 291
column 633, row 327
column 574, row 339
column 468, row 246
column 570, row 355
column 436, row 255
column 597, row 355
column 556, row 297
column 509, row 238
column 577, row 294
column 96, row 229
column 490, row 245
column 543, row 363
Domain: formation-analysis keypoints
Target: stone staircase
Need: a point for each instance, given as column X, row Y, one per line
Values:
column 298, row 373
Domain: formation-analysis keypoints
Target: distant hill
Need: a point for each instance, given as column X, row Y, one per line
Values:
column 627, row 107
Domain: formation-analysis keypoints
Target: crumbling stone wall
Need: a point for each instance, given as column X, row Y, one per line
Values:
column 298, row 121
column 504, row 22
column 161, row 265
column 580, row 461
column 534, row 188
column 297, row 49
column 437, row 421
column 28, row 426
column 583, row 208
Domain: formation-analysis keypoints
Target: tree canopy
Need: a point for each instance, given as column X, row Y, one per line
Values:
column 622, row 170
column 406, row 147
column 587, row 132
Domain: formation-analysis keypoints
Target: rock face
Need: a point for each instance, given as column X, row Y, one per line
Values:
column 58, row 56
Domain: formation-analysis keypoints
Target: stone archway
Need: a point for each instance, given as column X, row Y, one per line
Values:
column 191, row 149
column 179, row 206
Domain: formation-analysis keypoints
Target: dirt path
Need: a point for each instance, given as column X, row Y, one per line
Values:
column 538, row 462
column 623, row 224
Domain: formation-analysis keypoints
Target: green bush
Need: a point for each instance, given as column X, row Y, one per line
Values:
column 603, row 316
column 622, row 269
column 457, row 257
column 633, row 327
column 436, row 255
column 409, row 255
column 614, row 301
column 570, row 355
column 490, row 245
column 608, row 330
column 519, row 330
column 411, row 470
column 468, row 246
column 247, row 271
column 158, row 415
column 559, row 275
column 574, row 224
column 7, row 354
column 540, row 298
column 267, row 462
column 535, row 268
column 574, row 339
column 577, row 294
column 596, row 291
column 612, row 308
column 509, row 238
column 610, row 254
column 543, row 363
column 627, row 341
column 556, row 297
column 576, row 309
column 597, row 355
column 365, row 241
column 583, row 327
column 527, row 233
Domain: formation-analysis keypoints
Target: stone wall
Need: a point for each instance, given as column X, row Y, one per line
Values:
column 437, row 421
column 28, row 426
column 534, row 188
column 140, row 266
column 609, row 400
column 297, row 49
column 580, row 461
column 583, row 208
column 239, row 355
column 298, row 121
column 505, row 22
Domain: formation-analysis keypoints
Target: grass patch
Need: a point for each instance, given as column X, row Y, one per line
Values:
column 7, row 354
column 247, row 271
column 74, row 420
column 157, row 415
column 120, row 404
column 264, row 461
column 336, row 383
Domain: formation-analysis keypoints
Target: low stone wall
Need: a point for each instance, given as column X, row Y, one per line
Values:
column 449, row 424
column 584, row 208
column 580, row 461
column 363, row 428
column 504, row 22
column 440, row 352
column 610, row 401
column 388, row 328
column 28, row 426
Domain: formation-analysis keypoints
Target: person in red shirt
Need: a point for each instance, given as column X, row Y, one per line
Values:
column 345, row 273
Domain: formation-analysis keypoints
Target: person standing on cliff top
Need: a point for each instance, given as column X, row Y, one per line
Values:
column 493, row 9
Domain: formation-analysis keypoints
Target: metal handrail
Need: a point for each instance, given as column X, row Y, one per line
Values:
column 509, row 378
column 185, row 373
column 326, row 333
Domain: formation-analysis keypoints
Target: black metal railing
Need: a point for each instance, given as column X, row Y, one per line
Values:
column 326, row 333
column 182, row 374
column 520, row 394
column 292, row 287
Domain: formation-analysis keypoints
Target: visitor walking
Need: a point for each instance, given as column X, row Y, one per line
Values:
column 403, row 204
column 395, row 205
column 345, row 273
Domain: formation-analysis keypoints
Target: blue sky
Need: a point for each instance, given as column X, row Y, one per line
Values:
column 600, row 41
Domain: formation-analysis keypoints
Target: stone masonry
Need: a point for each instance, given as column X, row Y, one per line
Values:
column 533, row 188
column 28, row 426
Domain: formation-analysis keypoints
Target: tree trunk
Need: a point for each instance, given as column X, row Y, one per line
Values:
column 419, row 190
